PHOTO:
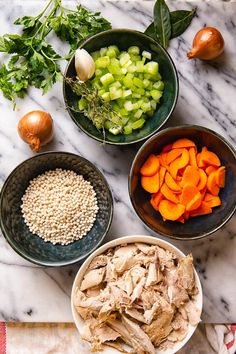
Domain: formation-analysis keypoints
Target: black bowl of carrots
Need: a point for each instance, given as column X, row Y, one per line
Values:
column 182, row 182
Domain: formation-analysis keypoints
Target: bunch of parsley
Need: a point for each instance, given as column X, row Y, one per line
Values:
column 33, row 61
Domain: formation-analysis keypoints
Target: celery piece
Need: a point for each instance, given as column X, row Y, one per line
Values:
column 136, row 95
column 141, row 76
column 138, row 124
column 125, row 120
column 137, row 104
column 111, row 52
column 127, row 93
column 82, row 104
column 153, row 104
column 131, row 68
column 152, row 68
column 101, row 92
column 140, row 66
column 102, row 62
column 95, row 55
column 115, row 48
column 134, row 50
column 128, row 81
column 150, row 113
column 135, row 58
column 124, row 59
column 106, row 96
column 115, row 130
column 146, row 106
column 116, row 84
column 115, row 93
column 124, row 71
column 147, row 76
column 123, row 112
column 147, row 54
column 108, row 124
column 147, row 93
column 128, row 130
column 146, row 83
column 138, row 113
column 156, row 95
column 103, row 51
column 98, row 72
column 137, row 82
column 114, row 69
column 141, row 91
column 159, row 85
column 128, row 105
column 107, row 79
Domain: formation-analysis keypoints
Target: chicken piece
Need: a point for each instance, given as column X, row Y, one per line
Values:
column 160, row 328
column 111, row 274
column 138, row 290
column 105, row 311
column 161, row 289
column 94, row 291
column 149, row 314
column 98, row 261
column 148, row 298
column 143, row 259
column 120, row 328
column 193, row 313
column 185, row 275
column 166, row 258
column 86, row 313
column 166, row 344
column 126, row 251
column 92, row 278
column 118, row 297
column 140, row 341
column 137, row 273
column 137, row 315
column 154, row 274
column 146, row 249
column 180, row 328
column 128, row 283
column 118, row 347
column 176, row 293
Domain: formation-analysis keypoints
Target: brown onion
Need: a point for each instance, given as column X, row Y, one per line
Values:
column 36, row 129
column 208, row 44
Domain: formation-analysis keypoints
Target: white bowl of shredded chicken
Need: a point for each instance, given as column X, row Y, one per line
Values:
column 136, row 294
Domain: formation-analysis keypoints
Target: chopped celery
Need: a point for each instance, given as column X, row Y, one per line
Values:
column 101, row 92
column 138, row 124
column 136, row 95
column 156, row 95
column 128, row 129
column 128, row 81
column 103, row 51
column 115, row 130
column 127, row 93
column 115, row 93
column 140, row 67
column 102, row 62
column 107, row 79
column 128, row 106
column 152, row 67
column 96, row 55
column 123, row 112
column 146, row 106
column 147, row 54
column 138, row 114
column 124, row 59
column 137, row 82
column 124, row 70
column 82, row 104
column 159, row 85
column 116, row 84
column 134, row 50
column 106, row 96
column 131, row 68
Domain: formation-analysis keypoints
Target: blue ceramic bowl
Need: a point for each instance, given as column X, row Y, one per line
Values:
column 200, row 226
column 124, row 38
column 17, row 233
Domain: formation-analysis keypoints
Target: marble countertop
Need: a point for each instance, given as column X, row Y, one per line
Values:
column 207, row 97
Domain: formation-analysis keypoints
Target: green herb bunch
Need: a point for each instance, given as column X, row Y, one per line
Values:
column 33, row 61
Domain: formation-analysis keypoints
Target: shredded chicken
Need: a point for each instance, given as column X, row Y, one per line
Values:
column 137, row 294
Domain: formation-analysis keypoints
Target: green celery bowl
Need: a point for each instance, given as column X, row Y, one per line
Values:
column 124, row 38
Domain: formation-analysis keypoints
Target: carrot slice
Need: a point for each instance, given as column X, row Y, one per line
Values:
column 190, row 176
column 210, row 158
column 181, row 219
column 171, row 183
column 202, row 210
column 210, row 169
column 183, row 143
column 170, row 211
column 211, row 184
column 162, row 173
column 203, row 179
column 195, row 202
column 179, row 163
column 203, row 192
column 155, row 200
column 167, row 148
column 186, row 215
column 172, row 155
column 150, row 166
column 150, row 184
column 220, row 177
column 212, row 200
column 162, row 158
column 192, row 156
column 188, row 193
column 168, row 194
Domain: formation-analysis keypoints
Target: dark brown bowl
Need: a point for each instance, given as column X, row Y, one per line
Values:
column 200, row 226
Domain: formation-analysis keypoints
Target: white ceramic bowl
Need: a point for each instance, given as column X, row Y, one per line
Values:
column 132, row 239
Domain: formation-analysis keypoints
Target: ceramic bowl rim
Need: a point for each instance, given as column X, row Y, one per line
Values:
column 45, row 263
column 166, row 130
column 176, row 94
column 132, row 239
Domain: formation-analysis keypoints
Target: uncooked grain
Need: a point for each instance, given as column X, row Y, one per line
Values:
column 59, row 206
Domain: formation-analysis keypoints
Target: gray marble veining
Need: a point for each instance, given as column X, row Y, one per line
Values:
column 207, row 97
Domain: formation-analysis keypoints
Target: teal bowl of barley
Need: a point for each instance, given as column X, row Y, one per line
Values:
column 29, row 245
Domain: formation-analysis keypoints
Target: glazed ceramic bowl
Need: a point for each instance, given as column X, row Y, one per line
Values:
column 126, row 240
column 200, row 226
column 124, row 38
column 17, row 233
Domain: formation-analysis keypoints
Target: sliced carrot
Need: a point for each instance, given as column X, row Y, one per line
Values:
column 186, row 215
column 168, row 194
column 220, row 177
column 167, row 148
column 202, row 210
column 192, row 156
column 210, row 158
column 155, row 200
column 181, row 219
column 162, row 173
column 150, row 166
column 190, row 176
column 171, row 183
column 210, row 169
column 170, row 211
column 183, row 143
column 200, row 162
column 188, row 193
column 194, row 203
column 203, row 179
column 172, row 155
column 211, row 184
column 212, row 200
column 203, row 192
column 162, row 159
column 150, row 184
column 179, row 163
